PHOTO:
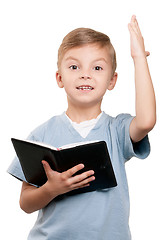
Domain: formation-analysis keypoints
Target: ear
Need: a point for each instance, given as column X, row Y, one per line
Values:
column 59, row 80
column 113, row 81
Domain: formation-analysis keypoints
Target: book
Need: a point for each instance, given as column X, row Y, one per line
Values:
column 93, row 155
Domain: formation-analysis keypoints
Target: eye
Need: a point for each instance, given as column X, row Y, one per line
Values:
column 73, row 67
column 98, row 68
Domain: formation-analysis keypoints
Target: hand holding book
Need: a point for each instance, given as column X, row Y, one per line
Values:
column 60, row 183
column 57, row 185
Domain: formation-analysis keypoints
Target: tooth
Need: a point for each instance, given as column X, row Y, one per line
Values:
column 85, row 88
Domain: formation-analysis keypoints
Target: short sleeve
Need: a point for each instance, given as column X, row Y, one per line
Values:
column 129, row 149
column 15, row 168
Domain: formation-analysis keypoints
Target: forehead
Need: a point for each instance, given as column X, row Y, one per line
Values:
column 88, row 52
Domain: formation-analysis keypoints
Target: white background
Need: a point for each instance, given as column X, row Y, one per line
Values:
column 30, row 34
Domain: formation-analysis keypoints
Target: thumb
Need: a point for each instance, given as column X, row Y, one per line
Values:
column 47, row 168
column 147, row 53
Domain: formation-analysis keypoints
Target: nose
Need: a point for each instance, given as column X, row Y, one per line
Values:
column 85, row 77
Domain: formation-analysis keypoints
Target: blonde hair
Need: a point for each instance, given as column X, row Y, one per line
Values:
column 83, row 36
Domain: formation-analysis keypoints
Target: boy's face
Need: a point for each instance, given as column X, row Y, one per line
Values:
column 86, row 74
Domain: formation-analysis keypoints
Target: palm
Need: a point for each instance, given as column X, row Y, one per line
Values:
column 136, row 40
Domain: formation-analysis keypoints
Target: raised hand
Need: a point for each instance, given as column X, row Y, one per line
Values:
column 136, row 40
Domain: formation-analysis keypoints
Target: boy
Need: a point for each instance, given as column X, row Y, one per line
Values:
column 86, row 69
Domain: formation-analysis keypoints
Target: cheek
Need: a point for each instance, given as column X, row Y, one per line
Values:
column 104, row 80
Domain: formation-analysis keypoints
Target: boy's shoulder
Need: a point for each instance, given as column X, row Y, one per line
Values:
column 120, row 118
column 120, row 122
column 48, row 122
column 123, row 116
column 49, row 125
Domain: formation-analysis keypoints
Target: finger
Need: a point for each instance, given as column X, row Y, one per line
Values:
column 132, row 28
column 83, row 183
column 47, row 168
column 133, row 24
column 137, row 26
column 133, row 18
column 73, row 170
column 82, row 177
column 86, row 185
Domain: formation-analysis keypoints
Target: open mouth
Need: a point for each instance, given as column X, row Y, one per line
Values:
column 85, row 88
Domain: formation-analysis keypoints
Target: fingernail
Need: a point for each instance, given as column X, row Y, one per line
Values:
column 43, row 162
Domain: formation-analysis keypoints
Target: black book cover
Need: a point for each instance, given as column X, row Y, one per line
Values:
column 94, row 156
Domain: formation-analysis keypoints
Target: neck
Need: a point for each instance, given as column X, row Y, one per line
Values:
column 79, row 114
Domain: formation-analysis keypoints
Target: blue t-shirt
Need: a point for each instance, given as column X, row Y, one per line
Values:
column 98, row 215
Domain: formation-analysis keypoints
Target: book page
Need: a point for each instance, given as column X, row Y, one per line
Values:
column 62, row 147
column 76, row 144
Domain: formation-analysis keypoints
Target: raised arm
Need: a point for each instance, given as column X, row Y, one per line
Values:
column 145, row 103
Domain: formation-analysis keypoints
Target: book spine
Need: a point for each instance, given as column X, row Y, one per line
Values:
column 57, row 159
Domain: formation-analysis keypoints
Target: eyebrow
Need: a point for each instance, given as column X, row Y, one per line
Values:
column 96, row 60
column 71, row 58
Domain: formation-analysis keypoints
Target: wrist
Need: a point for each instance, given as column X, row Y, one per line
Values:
column 139, row 59
column 48, row 191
